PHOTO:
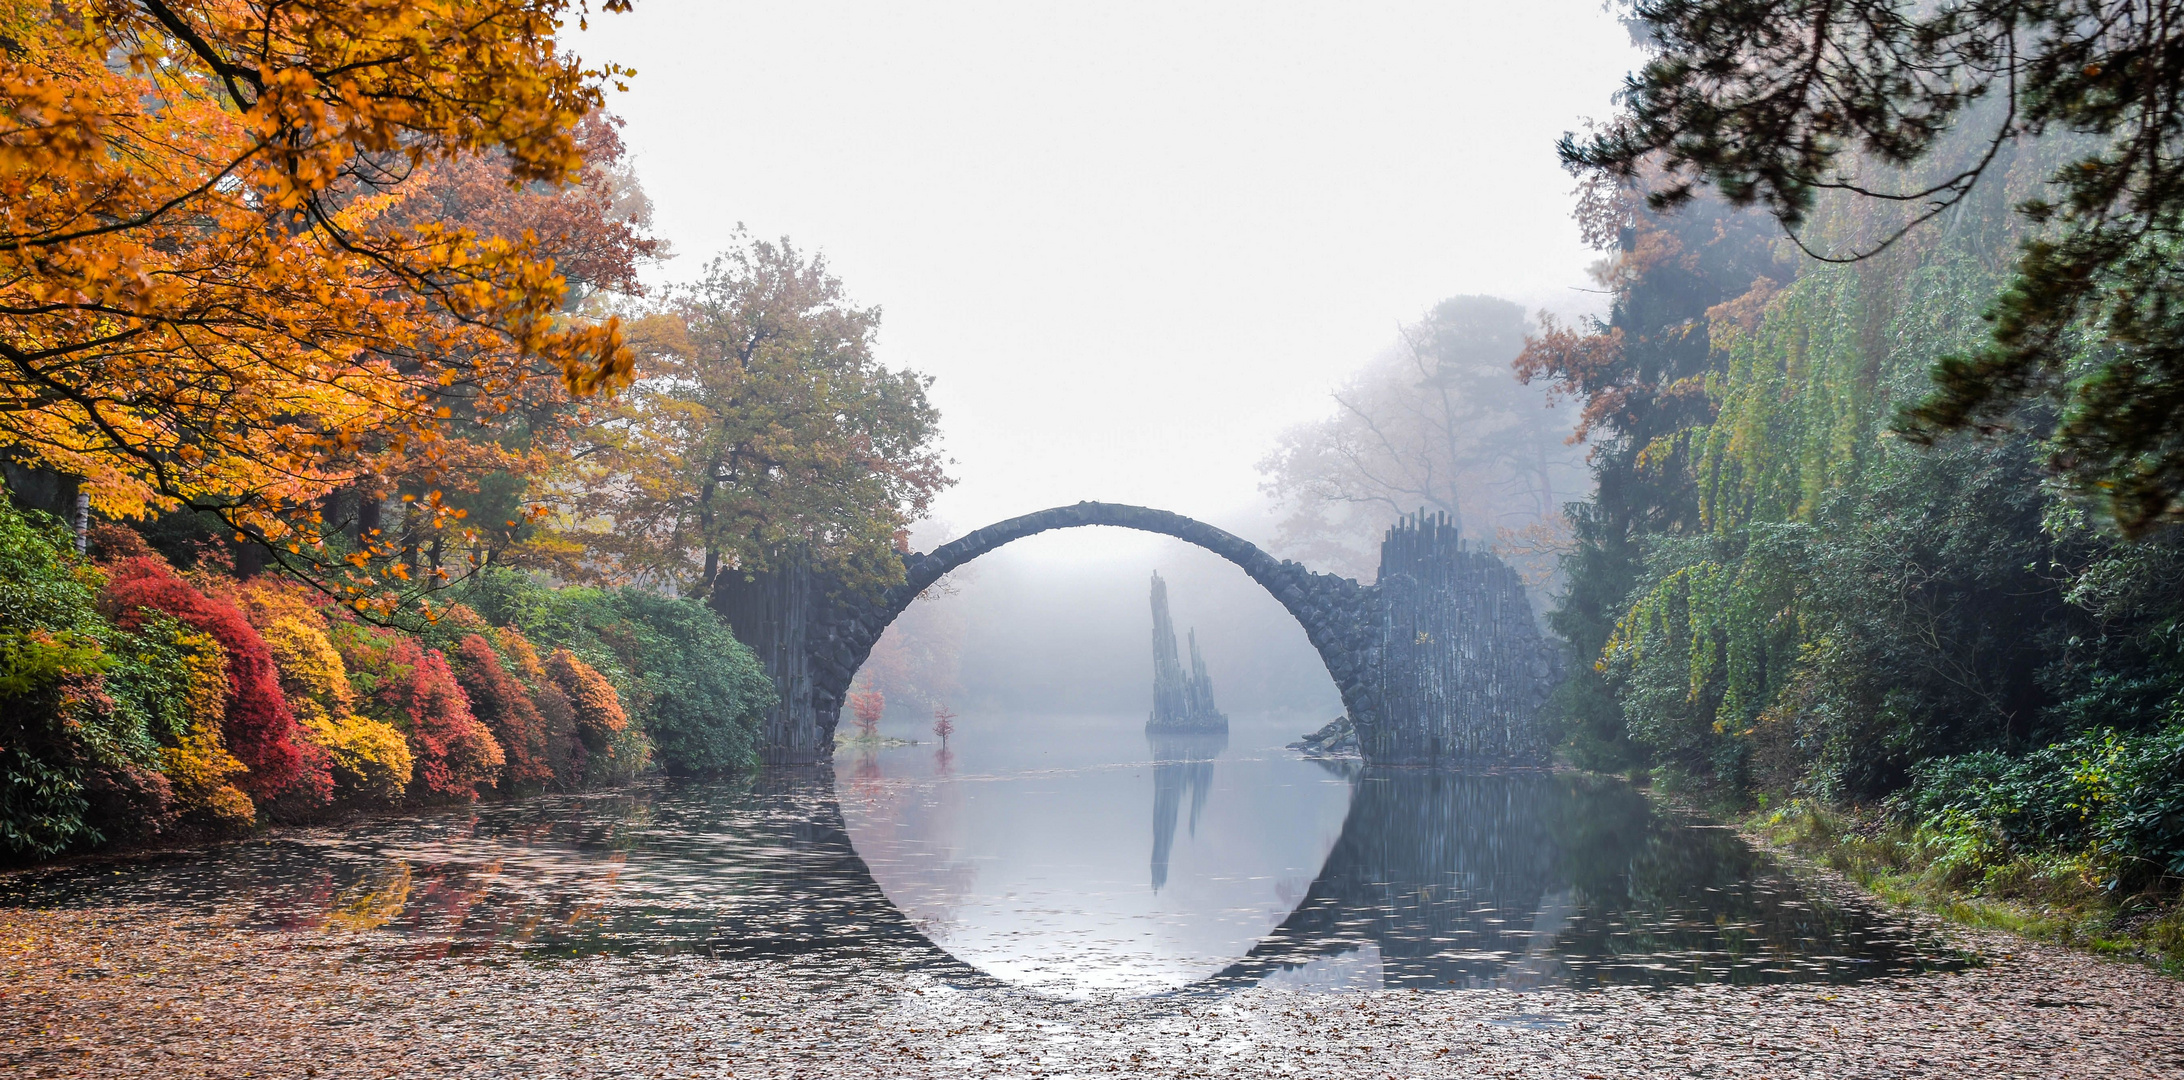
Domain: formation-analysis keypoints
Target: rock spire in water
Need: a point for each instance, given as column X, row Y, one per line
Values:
column 1181, row 701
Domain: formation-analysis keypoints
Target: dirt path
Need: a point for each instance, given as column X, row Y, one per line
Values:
column 136, row 993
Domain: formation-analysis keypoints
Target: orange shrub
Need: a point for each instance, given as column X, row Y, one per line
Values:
column 565, row 751
column 617, row 752
column 598, row 708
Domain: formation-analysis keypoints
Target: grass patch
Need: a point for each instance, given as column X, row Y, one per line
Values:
column 1970, row 875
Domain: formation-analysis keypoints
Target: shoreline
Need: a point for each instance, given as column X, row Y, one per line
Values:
column 127, row 991
column 1891, row 866
column 1844, row 853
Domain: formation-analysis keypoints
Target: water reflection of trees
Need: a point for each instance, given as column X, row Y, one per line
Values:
column 1527, row 878
column 762, row 871
column 1482, row 879
column 1182, row 763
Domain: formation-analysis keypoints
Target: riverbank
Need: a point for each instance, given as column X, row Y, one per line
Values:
column 2051, row 899
column 131, row 991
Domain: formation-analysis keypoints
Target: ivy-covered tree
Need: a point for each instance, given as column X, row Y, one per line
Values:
column 1639, row 381
column 1781, row 103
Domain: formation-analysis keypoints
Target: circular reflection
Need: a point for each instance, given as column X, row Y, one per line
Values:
column 1081, row 856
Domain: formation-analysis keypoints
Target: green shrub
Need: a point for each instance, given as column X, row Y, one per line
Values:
column 695, row 691
column 81, row 703
column 2118, row 797
column 704, row 692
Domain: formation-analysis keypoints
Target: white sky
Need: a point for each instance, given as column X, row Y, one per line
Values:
column 1133, row 241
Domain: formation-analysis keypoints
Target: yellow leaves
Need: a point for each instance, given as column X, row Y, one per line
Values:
column 199, row 766
column 372, row 762
column 214, row 293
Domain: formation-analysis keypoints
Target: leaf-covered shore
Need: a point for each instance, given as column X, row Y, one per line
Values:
column 138, row 991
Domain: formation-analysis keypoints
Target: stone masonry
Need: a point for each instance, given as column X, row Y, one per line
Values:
column 1489, row 662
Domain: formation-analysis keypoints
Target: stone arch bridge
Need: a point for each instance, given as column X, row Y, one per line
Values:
column 1439, row 661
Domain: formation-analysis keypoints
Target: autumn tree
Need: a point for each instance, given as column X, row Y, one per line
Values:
column 215, row 292
column 761, row 428
column 1439, row 422
column 1639, row 381
column 476, row 501
column 869, row 706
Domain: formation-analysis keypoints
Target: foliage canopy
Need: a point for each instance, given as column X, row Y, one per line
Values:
column 216, row 290
column 763, row 428
column 1779, row 103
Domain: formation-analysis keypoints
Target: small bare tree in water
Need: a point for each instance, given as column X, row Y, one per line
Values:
column 943, row 724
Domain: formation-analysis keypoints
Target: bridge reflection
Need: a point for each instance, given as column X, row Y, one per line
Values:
column 1454, row 879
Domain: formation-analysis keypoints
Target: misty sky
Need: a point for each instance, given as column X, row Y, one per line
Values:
column 1133, row 241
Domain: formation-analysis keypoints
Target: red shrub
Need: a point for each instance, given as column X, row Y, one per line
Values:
column 412, row 688
column 565, row 751
column 508, row 712
column 259, row 728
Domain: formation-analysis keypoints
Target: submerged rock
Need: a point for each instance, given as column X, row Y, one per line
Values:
column 1337, row 739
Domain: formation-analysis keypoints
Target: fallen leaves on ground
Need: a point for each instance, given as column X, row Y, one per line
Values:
column 144, row 992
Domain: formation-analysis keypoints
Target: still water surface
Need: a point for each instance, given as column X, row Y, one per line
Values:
column 1072, row 856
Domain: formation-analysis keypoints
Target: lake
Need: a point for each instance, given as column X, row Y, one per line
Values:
column 1068, row 857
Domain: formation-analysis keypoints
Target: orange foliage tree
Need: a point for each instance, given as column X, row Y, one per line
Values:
column 471, row 502
column 214, row 292
column 563, row 745
column 868, row 706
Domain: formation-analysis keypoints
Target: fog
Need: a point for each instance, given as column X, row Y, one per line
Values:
column 1132, row 242
column 1049, row 634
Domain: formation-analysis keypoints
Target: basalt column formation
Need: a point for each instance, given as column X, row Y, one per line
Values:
column 1181, row 701
column 1461, row 659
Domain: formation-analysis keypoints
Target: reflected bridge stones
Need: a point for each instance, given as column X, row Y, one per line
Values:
column 1438, row 662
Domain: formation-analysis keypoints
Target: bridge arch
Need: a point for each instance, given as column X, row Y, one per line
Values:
column 1314, row 600
column 1439, row 660
column 1334, row 611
